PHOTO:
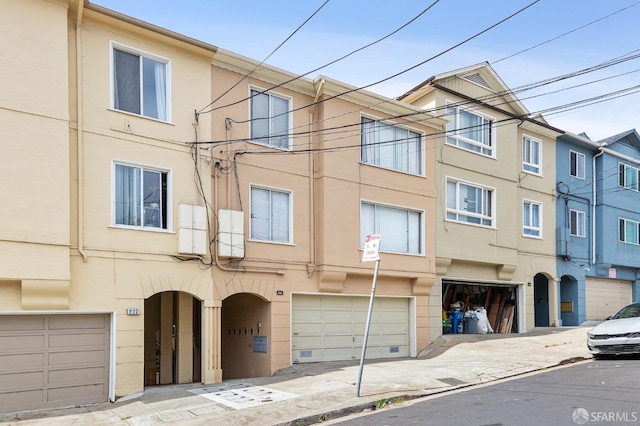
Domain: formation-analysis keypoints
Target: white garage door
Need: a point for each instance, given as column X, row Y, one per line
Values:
column 53, row 360
column 606, row 297
column 331, row 328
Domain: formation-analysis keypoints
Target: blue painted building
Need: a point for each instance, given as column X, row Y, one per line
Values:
column 598, row 225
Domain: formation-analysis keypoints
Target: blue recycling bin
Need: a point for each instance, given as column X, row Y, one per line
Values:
column 456, row 317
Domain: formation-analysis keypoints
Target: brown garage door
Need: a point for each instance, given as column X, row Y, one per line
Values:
column 53, row 360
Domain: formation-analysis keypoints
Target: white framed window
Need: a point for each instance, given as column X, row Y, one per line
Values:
column 471, row 131
column 271, row 215
column 629, row 231
column 628, row 176
column 400, row 228
column 141, row 197
column 576, row 164
column 577, row 223
column 531, row 219
column 140, row 82
column 390, row 146
column 531, row 155
column 470, row 203
column 270, row 119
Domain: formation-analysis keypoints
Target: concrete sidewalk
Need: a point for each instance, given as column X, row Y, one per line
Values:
column 311, row 393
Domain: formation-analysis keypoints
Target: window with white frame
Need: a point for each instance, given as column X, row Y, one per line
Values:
column 270, row 215
column 140, row 83
column 577, row 223
column 140, row 197
column 577, row 164
column 401, row 229
column 629, row 231
column 531, row 155
column 390, row 146
column 628, row 176
column 270, row 121
column 531, row 218
column 470, row 131
column 470, row 203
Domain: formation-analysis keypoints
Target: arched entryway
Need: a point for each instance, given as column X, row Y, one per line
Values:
column 541, row 300
column 172, row 338
column 246, row 337
column 569, row 301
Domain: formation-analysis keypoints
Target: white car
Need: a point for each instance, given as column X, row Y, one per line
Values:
column 618, row 335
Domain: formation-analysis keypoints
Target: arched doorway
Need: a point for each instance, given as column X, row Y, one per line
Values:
column 246, row 337
column 172, row 338
column 541, row 300
column 569, row 301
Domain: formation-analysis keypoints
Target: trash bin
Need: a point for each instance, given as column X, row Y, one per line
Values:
column 456, row 318
column 470, row 325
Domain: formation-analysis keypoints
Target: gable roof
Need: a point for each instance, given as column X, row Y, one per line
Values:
column 630, row 137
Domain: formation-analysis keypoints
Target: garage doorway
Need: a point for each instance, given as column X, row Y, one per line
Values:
column 172, row 338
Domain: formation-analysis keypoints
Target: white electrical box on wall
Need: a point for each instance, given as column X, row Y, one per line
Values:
column 192, row 229
column 230, row 233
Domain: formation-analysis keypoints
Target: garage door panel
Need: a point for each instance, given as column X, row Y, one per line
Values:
column 337, row 316
column 76, row 340
column 87, row 375
column 21, row 399
column 77, row 322
column 24, row 342
column 21, row 361
column 21, row 380
column 74, row 393
column 307, row 328
column 22, row 323
column 63, row 358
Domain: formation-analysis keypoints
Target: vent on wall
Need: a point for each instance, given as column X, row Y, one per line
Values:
column 192, row 229
column 477, row 79
column 230, row 233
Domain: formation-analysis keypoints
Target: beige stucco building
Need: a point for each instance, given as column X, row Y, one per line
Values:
column 159, row 229
column 495, row 216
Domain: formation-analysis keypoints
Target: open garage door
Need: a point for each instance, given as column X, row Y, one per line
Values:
column 53, row 360
column 606, row 297
column 331, row 328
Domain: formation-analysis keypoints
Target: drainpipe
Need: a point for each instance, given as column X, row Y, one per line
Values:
column 594, row 204
column 80, row 130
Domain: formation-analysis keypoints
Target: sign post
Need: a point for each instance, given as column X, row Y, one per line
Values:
column 371, row 253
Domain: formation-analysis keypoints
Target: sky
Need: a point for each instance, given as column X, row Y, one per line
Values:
column 550, row 38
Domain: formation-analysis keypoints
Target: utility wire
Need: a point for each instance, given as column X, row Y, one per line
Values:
column 323, row 66
column 265, row 59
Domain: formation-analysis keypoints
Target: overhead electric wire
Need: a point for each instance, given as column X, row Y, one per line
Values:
column 567, row 33
column 323, row 66
column 268, row 56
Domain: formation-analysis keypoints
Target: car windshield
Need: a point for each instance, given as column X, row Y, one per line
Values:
column 630, row 311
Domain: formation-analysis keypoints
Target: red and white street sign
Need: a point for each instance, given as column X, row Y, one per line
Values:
column 371, row 248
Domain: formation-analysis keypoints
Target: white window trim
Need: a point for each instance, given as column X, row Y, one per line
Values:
column 466, row 213
column 625, row 176
column 169, row 200
column 584, row 162
column 533, row 228
column 579, row 213
column 399, row 207
column 539, row 166
column 619, row 236
column 423, row 167
column 492, row 147
column 123, row 47
column 274, row 189
column 289, row 117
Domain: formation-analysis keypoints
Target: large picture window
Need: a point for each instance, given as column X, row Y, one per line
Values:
column 470, row 131
column 401, row 229
column 140, row 83
column 270, row 119
column 390, row 146
column 470, row 203
column 270, row 215
column 140, row 197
